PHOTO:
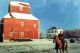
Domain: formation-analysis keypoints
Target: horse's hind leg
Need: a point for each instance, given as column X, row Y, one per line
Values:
column 56, row 50
column 66, row 50
column 63, row 50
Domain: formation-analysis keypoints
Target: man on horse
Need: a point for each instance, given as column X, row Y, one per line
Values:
column 61, row 37
column 58, row 43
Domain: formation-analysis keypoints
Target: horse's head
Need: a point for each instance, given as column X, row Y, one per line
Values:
column 56, row 38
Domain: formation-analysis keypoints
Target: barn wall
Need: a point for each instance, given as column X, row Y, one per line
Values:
column 19, row 9
column 30, row 28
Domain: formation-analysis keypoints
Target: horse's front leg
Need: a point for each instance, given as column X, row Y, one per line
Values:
column 66, row 50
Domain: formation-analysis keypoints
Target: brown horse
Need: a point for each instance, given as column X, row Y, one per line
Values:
column 58, row 45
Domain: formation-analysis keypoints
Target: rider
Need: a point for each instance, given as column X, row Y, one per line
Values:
column 61, row 37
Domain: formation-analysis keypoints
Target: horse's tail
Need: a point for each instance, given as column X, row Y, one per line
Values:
column 66, row 46
column 66, row 43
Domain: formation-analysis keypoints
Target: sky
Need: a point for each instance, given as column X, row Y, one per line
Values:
column 63, row 14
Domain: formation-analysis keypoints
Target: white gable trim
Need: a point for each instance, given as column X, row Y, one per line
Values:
column 21, row 16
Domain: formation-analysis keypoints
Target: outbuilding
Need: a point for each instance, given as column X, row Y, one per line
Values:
column 19, row 23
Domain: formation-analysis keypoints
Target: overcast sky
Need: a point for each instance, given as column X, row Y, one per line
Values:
column 60, row 13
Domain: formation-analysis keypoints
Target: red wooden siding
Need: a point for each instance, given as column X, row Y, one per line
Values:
column 14, row 25
column 25, row 9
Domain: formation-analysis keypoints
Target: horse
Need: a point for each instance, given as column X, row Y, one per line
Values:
column 59, row 45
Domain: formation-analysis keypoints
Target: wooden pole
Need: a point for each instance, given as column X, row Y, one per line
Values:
column 9, row 10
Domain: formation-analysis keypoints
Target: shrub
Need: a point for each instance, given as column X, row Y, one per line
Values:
column 72, row 41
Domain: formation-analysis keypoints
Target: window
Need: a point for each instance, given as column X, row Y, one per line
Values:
column 10, row 33
column 52, row 31
column 22, row 34
column 34, row 25
column 55, row 31
column 21, row 7
column 22, row 24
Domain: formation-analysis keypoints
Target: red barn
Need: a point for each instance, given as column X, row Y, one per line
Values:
column 19, row 23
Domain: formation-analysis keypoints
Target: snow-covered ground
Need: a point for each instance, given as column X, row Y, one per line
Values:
column 36, row 46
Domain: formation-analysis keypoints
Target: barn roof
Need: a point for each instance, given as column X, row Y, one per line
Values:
column 21, row 16
column 18, row 3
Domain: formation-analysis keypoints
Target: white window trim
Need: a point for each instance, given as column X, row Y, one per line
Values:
column 22, row 24
column 21, row 7
column 22, row 34
column 34, row 25
column 10, row 33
